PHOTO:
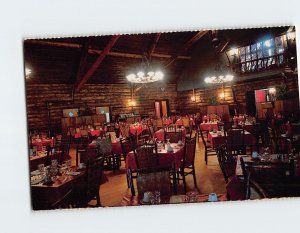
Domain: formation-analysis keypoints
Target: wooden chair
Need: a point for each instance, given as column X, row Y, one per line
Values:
column 104, row 148
column 151, row 131
column 94, row 173
column 146, row 157
column 188, row 163
column 209, row 151
column 227, row 125
column 251, row 185
column 65, row 202
column 273, row 178
column 59, row 152
column 156, row 179
column 235, row 187
column 235, row 141
column 227, row 162
column 174, row 137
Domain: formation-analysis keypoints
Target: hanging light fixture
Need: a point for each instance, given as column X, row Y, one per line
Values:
column 145, row 74
column 221, row 76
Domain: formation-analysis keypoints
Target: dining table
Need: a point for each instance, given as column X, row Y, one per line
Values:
column 165, row 157
column 167, row 121
column 160, row 134
column 207, row 126
column 44, row 195
column 275, row 185
column 173, row 199
column 115, row 145
column 39, row 143
column 217, row 138
column 137, row 129
column 39, row 158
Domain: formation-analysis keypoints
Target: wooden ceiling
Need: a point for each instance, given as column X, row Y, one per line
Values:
column 107, row 59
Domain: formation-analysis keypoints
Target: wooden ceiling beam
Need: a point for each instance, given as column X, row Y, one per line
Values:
column 153, row 45
column 98, row 51
column 186, row 46
column 96, row 64
column 224, row 47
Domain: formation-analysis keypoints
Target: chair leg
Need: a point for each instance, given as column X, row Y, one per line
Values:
column 205, row 156
column 184, row 182
column 131, row 182
column 194, row 176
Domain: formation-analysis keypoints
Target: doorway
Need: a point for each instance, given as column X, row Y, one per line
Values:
column 162, row 108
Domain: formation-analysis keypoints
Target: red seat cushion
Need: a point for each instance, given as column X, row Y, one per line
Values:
column 236, row 189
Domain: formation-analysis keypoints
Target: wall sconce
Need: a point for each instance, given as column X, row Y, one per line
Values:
column 132, row 103
column 222, row 96
column 27, row 72
column 193, row 98
column 272, row 90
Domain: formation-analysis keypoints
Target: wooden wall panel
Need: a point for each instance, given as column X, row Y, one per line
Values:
column 117, row 96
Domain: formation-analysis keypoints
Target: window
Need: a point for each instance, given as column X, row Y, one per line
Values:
column 262, row 55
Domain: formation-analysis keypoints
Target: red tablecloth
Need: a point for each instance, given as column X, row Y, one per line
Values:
column 116, row 147
column 216, row 141
column 167, row 121
column 39, row 143
column 165, row 158
column 179, row 122
column 137, row 129
column 160, row 134
column 96, row 132
column 209, row 126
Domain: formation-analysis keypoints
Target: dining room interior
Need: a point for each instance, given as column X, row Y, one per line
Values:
column 162, row 118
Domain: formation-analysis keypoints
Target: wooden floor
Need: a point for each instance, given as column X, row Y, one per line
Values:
column 209, row 179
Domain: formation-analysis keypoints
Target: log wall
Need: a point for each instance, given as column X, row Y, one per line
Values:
column 117, row 96
column 235, row 92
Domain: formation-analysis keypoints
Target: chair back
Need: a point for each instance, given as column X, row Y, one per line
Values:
column 152, row 180
column 235, row 140
column 146, row 156
column 126, row 146
column 202, row 137
column 151, row 131
column 94, row 172
column 226, row 161
column 190, row 150
column 60, row 153
column 104, row 146
column 174, row 137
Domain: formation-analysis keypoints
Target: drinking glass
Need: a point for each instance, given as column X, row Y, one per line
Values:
column 41, row 168
column 157, row 197
column 68, row 164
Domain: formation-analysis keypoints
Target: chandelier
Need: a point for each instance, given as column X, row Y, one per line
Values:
column 219, row 79
column 145, row 74
column 221, row 75
column 145, row 77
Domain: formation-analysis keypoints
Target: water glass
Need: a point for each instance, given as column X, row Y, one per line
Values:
column 41, row 168
column 157, row 197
